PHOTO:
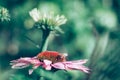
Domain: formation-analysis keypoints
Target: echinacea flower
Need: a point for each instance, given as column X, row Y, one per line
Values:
column 49, row 60
column 47, row 21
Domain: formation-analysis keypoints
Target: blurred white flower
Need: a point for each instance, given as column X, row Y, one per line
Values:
column 47, row 20
column 35, row 14
column 4, row 14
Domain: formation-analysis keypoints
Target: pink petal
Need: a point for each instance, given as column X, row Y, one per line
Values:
column 20, row 65
column 78, row 67
column 84, row 69
column 48, row 67
column 35, row 66
column 58, row 65
column 31, row 71
column 25, row 62
column 47, row 64
column 72, row 65
column 77, row 62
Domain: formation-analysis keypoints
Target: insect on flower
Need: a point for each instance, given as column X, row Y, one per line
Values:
column 49, row 60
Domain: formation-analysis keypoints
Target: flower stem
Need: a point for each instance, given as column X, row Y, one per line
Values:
column 45, row 39
column 98, row 52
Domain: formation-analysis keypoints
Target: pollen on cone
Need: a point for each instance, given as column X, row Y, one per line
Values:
column 48, row 54
column 51, row 55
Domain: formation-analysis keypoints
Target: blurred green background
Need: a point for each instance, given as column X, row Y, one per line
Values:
column 92, row 32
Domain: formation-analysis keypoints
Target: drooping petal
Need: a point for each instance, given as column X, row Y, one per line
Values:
column 76, row 62
column 58, row 65
column 33, row 68
column 20, row 65
column 72, row 65
column 47, row 64
column 31, row 71
column 25, row 62
column 77, row 67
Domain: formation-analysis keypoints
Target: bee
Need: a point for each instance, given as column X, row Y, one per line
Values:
column 52, row 56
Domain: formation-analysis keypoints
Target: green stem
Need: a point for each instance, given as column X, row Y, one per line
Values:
column 99, row 48
column 98, row 52
column 45, row 39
